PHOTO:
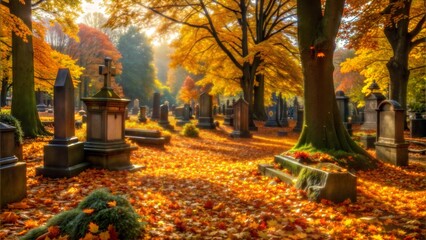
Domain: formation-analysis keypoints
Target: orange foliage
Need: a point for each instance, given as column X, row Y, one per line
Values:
column 210, row 187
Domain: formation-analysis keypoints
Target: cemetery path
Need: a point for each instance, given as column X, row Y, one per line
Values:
column 209, row 188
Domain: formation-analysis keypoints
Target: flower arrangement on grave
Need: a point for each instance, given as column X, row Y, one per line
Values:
column 100, row 215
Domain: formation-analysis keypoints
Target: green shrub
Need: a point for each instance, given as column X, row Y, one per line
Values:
column 189, row 130
column 12, row 121
column 75, row 223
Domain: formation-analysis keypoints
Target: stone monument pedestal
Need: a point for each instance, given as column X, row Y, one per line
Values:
column 105, row 146
column 13, row 174
column 71, row 159
column 397, row 154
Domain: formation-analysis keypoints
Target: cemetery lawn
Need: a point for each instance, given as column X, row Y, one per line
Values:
column 209, row 188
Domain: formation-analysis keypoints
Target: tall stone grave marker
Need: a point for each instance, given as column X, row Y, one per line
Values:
column 295, row 108
column 197, row 111
column 299, row 123
column 164, row 117
column 64, row 144
column 105, row 146
column 283, row 112
column 343, row 105
column 142, row 114
column 179, row 112
column 272, row 113
column 156, row 107
column 13, row 174
column 135, row 108
column 186, row 115
column 205, row 120
column 391, row 146
column 241, row 120
column 372, row 101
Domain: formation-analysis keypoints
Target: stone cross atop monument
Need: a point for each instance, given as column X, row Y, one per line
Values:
column 108, row 71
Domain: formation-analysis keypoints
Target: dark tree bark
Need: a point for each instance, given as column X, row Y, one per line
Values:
column 402, row 42
column 24, row 102
column 323, row 128
column 259, row 98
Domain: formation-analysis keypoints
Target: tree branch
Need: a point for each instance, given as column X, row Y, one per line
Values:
column 418, row 27
column 37, row 3
column 417, row 42
column 6, row 4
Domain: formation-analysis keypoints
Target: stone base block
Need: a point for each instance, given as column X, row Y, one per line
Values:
column 418, row 128
column 110, row 156
column 368, row 141
column 206, row 123
column 272, row 123
column 56, row 172
column 166, row 125
column 240, row 134
column 369, row 126
column 396, row 154
column 228, row 121
column 13, row 183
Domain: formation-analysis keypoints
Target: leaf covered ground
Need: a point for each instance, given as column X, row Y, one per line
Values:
column 209, row 188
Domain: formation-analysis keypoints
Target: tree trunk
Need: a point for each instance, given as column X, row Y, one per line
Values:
column 323, row 129
column 23, row 101
column 399, row 38
column 3, row 94
column 259, row 98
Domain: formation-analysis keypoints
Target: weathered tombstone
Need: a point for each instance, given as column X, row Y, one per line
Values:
column 164, row 117
column 185, row 116
column 295, row 108
column 283, row 112
column 229, row 116
column 343, row 105
column 41, row 107
column 64, row 143
column 179, row 112
column 135, row 109
column 223, row 109
column 13, row 179
column 197, row 111
column 214, row 110
column 299, row 123
column 227, row 103
column 142, row 114
column 156, row 107
column 372, row 100
column 391, row 146
column 105, row 146
column 205, row 119
column 272, row 113
column 241, row 120
column 417, row 126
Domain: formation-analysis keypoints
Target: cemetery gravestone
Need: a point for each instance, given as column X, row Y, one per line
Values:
column 164, row 117
column 295, row 108
column 179, row 112
column 272, row 113
column 229, row 116
column 197, row 111
column 343, row 105
column 142, row 114
column 417, row 126
column 241, row 120
column 299, row 123
column 135, row 108
column 13, row 179
column 156, row 107
column 64, row 143
column 283, row 112
column 185, row 116
column 372, row 100
column 105, row 146
column 214, row 110
column 205, row 120
column 391, row 146
column 223, row 109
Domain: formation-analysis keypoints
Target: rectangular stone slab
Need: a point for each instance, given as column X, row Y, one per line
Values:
column 142, row 133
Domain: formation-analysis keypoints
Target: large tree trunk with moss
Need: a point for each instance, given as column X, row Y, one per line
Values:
column 4, row 87
column 259, row 98
column 24, row 102
column 323, row 129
